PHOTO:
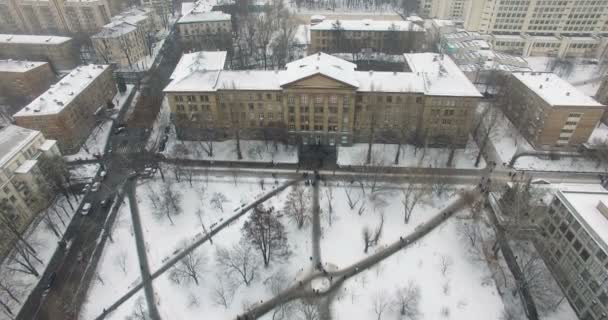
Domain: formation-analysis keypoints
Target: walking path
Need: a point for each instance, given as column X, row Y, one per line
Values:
column 316, row 223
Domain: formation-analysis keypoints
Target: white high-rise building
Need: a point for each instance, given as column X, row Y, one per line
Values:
column 537, row 17
column 442, row 9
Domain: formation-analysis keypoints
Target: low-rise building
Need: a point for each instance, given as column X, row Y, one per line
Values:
column 24, row 80
column 321, row 99
column 353, row 36
column 574, row 245
column 203, row 29
column 66, row 112
column 23, row 191
column 548, row 111
column 58, row 51
column 88, row 16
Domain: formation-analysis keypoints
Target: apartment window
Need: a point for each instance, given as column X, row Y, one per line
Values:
column 346, row 100
column 193, row 107
column 575, row 115
column 318, row 109
column 319, row 99
column 389, row 99
column 180, row 107
column 204, row 98
column 179, row 98
column 268, row 96
column 304, row 100
column 448, row 112
column 291, row 99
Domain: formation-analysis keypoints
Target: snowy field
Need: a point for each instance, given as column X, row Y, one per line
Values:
column 384, row 154
column 43, row 236
column 586, row 77
column 98, row 138
column 507, row 141
column 219, row 296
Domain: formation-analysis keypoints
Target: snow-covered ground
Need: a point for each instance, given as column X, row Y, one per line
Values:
column 117, row 270
column 586, row 77
column 43, row 235
column 507, row 141
column 384, row 154
column 98, row 138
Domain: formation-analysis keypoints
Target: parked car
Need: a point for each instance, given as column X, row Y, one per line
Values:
column 86, row 208
column 102, row 174
column 105, row 203
column 86, row 188
column 96, row 186
column 119, row 130
column 51, row 281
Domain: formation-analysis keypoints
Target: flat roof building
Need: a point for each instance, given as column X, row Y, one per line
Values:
column 58, row 51
column 22, row 81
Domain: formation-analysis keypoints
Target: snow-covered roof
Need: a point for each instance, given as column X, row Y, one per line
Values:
column 115, row 29
column 26, row 166
column 321, row 59
column 507, row 37
column 198, row 80
column 323, row 64
column 195, row 16
column 441, row 75
column 201, row 60
column 373, row 81
column 249, row 80
column 368, row 25
column 554, row 90
column 582, row 201
column 443, row 23
column 47, row 145
column 32, row 39
column 62, row 93
column 12, row 140
column 19, row 65
column 187, row 7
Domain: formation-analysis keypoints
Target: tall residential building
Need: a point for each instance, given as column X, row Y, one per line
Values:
column 548, row 111
column 537, row 17
column 58, row 51
column 22, row 186
column 574, row 245
column 442, row 9
column 66, row 112
column 340, row 36
column 125, row 40
column 203, row 29
column 88, row 16
column 321, row 99
column 11, row 20
column 23, row 81
column 44, row 16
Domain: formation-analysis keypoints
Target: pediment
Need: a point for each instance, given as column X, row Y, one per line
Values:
column 318, row 80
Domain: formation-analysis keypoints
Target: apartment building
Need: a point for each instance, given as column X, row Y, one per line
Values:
column 548, row 111
column 321, row 99
column 125, row 41
column 442, row 9
column 86, row 16
column 11, row 20
column 542, row 17
column 574, row 245
column 341, row 36
column 58, row 51
column 163, row 8
column 22, row 186
column 66, row 112
column 24, row 80
column 44, row 16
column 203, row 29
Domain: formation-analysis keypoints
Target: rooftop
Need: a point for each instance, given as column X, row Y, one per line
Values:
column 26, row 166
column 554, row 90
column 582, row 201
column 62, row 93
column 32, row 39
column 19, row 65
column 202, row 60
column 115, row 29
column 451, row 81
column 441, row 75
column 368, row 25
column 204, row 17
column 12, row 139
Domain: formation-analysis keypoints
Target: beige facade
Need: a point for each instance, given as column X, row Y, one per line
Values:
column 11, row 20
column 87, row 17
column 44, row 16
column 574, row 246
column 24, row 80
column 548, row 111
column 342, row 36
column 442, row 9
column 205, row 30
column 58, row 51
column 66, row 112
column 548, row 17
column 322, row 100
column 23, row 191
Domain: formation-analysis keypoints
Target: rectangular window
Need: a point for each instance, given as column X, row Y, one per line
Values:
column 318, row 99
column 333, row 99
column 304, row 100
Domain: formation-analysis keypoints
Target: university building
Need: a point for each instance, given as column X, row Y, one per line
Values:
column 321, row 99
column 548, row 111
column 354, row 36
column 66, row 112
column 23, row 191
column 574, row 244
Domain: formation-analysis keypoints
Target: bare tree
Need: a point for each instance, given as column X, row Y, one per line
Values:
column 188, row 268
column 407, row 301
column 484, row 130
column 140, row 310
column 217, row 200
column 266, row 233
column 410, row 197
column 329, row 193
column 520, row 203
column 223, row 293
column 239, row 261
column 380, row 305
column 445, row 263
column 308, row 310
column 8, row 292
column 352, row 202
column 440, row 186
column 170, row 202
column 297, row 205
column 50, row 223
column 370, row 238
column 284, row 43
column 56, row 174
column 121, row 261
column 24, row 260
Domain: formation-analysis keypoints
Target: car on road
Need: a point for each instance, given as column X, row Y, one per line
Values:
column 96, row 186
column 103, row 174
column 86, row 188
column 86, row 208
column 119, row 130
column 105, row 203
column 51, row 280
column 540, row 181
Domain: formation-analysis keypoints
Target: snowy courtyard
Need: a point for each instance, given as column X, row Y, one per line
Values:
column 440, row 265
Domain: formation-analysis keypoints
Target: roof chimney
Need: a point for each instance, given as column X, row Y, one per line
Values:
column 568, row 94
